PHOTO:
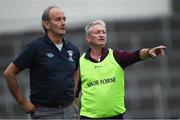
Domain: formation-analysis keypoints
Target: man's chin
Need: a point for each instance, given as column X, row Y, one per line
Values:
column 62, row 33
column 102, row 45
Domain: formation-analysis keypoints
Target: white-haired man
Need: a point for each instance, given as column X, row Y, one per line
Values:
column 102, row 74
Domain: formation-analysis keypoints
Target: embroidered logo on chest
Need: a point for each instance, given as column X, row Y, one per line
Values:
column 50, row 55
column 70, row 53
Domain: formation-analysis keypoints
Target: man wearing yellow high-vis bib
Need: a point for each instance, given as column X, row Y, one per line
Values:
column 102, row 74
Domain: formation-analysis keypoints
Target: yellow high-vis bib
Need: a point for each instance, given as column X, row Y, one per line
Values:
column 102, row 87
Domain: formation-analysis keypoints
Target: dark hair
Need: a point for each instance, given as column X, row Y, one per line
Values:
column 46, row 17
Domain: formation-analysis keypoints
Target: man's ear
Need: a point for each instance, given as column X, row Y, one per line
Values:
column 46, row 24
column 87, row 38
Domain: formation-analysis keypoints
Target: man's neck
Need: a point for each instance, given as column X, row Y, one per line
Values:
column 56, row 39
column 96, row 53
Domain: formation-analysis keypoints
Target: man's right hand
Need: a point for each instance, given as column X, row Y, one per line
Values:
column 28, row 107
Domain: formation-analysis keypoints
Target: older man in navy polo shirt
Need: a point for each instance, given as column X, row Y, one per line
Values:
column 53, row 63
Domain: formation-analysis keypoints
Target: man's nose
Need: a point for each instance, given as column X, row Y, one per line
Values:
column 63, row 22
column 101, row 34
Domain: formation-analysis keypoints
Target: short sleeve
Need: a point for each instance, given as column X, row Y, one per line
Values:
column 26, row 57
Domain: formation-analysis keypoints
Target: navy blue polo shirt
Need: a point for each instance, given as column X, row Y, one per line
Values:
column 51, row 71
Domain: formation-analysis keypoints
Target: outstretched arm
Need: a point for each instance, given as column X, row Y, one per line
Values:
column 10, row 75
column 152, row 52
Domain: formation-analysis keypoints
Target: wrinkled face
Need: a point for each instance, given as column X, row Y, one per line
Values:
column 97, row 36
column 56, row 24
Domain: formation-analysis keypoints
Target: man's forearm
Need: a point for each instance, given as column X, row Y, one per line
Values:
column 10, row 75
column 15, row 89
column 76, row 79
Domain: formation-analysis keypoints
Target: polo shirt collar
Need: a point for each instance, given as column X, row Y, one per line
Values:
column 50, row 41
column 105, row 52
